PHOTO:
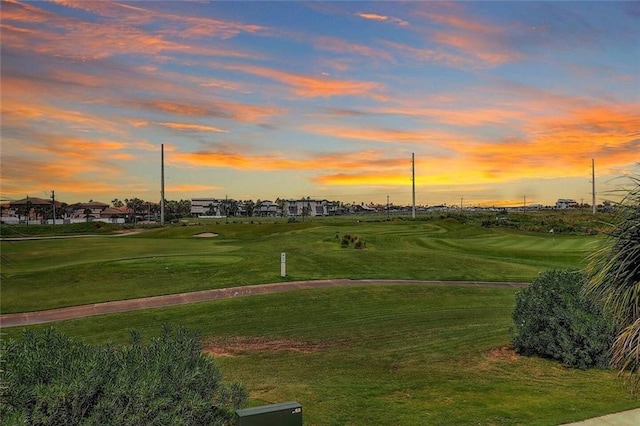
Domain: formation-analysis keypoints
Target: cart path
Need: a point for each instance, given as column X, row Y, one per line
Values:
column 81, row 311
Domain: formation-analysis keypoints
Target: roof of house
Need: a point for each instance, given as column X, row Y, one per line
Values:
column 33, row 200
column 89, row 205
column 114, row 211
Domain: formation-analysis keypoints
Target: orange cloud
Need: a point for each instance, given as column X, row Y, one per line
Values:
column 368, row 178
column 122, row 32
column 370, row 134
column 373, row 159
column 25, row 111
column 196, row 127
column 481, row 43
column 311, row 86
column 221, row 109
column 479, row 116
column 180, row 25
column 561, row 146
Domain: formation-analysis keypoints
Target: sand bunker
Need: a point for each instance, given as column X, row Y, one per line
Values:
column 206, row 235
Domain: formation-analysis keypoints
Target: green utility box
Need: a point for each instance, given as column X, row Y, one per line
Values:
column 283, row 414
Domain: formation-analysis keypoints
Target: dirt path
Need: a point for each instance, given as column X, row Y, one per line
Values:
column 41, row 317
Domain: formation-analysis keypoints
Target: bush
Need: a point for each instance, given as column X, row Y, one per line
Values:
column 51, row 379
column 553, row 320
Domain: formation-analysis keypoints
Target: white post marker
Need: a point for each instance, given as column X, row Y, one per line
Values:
column 283, row 264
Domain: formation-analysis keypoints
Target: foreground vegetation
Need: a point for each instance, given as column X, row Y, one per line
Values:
column 51, row 379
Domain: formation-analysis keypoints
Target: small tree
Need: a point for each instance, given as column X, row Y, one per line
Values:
column 51, row 379
column 553, row 320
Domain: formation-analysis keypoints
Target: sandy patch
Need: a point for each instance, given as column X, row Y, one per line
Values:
column 206, row 235
column 239, row 345
column 502, row 354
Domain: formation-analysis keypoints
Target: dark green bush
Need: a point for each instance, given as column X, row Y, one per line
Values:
column 51, row 379
column 553, row 320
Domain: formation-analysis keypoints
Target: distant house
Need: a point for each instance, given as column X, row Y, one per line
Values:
column 205, row 207
column 114, row 214
column 566, row 203
column 38, row 210
column 267, row 208
column 308, row 207
column 88, row 211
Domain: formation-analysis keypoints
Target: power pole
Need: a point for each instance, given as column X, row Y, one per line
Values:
column 461, row 208
column 524, row 205
column 53, row 205
column 162, row 184
column 413, row 185
column 388, row 213
column 593, row 185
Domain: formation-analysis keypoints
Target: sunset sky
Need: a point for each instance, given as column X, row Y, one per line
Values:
column 266, row 100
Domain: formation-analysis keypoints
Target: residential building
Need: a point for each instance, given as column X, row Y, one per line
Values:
column 90, row 210
column 267, row 208
column 566, row 203
column 308, row 207
column 205, row 207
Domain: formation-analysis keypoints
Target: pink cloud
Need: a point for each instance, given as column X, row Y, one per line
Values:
column 312, row 86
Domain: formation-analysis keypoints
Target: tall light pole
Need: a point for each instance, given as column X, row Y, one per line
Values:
column 413, row 185
column 53, row 205
column 593, row 185
column 162, row 184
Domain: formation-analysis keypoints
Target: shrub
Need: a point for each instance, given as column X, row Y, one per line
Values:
column 553, row 320
column 50, row 379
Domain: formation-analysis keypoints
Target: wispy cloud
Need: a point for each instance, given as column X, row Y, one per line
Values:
column 314, row 86
column 193, row 127
column 126, row 32
column 337, row 45
column 455, row 32
column 383, row 18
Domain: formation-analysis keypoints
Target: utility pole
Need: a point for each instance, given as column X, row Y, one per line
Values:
column 524, row 205
column 413, row 185
column 388, row 212
column 593, row 185
column 162, row 184
column 53, row 205
column 461, row 208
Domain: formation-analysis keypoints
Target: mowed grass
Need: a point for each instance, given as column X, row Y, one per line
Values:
column 46, row 274
column 389, row 355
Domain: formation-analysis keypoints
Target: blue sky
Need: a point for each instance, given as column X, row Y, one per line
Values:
column 260, row 100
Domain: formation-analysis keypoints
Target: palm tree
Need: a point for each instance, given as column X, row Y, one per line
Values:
column 614, row 279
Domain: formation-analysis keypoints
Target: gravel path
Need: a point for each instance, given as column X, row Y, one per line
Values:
column 52, row 315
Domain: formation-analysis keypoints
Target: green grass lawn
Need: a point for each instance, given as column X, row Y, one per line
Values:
column 385, row 355
column 388, row 355
column 47, row 274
